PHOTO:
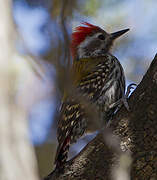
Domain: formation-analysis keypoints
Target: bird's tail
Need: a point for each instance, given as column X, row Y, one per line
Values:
column 62, row 153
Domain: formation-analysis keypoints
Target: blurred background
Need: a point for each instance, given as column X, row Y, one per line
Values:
column 41, row 43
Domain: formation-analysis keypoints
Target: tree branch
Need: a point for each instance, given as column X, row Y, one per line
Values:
column 137, row 131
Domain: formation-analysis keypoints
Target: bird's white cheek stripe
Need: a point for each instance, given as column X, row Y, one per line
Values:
column 81, row 48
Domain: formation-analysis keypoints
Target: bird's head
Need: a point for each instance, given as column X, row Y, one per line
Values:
column 92, row 41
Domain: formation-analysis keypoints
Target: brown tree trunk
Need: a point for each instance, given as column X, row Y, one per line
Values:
column 137, row 132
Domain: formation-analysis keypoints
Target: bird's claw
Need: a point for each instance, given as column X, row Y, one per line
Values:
column 130, row 86
column 124, row 100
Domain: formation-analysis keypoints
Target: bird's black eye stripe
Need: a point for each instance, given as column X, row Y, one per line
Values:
column 101, row 36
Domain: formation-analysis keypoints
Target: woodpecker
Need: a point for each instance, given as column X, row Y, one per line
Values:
column 98, row 76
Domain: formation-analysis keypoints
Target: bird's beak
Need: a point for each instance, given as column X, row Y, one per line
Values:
column 117, row 34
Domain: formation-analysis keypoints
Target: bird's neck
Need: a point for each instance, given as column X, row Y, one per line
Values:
column 78, row 70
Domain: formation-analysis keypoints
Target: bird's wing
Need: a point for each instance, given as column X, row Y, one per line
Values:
column 70, row 116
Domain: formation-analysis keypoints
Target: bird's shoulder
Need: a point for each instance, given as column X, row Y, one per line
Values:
column 85, row 67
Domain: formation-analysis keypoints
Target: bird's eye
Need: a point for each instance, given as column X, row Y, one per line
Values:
column 101, row 37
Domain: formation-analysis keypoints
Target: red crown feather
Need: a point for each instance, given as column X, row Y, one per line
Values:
column 80, row 34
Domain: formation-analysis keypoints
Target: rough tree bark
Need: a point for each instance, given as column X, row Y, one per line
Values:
column 137, row 131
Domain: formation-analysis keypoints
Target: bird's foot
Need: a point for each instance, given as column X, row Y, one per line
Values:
column 124, row 99
column 130, row 86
